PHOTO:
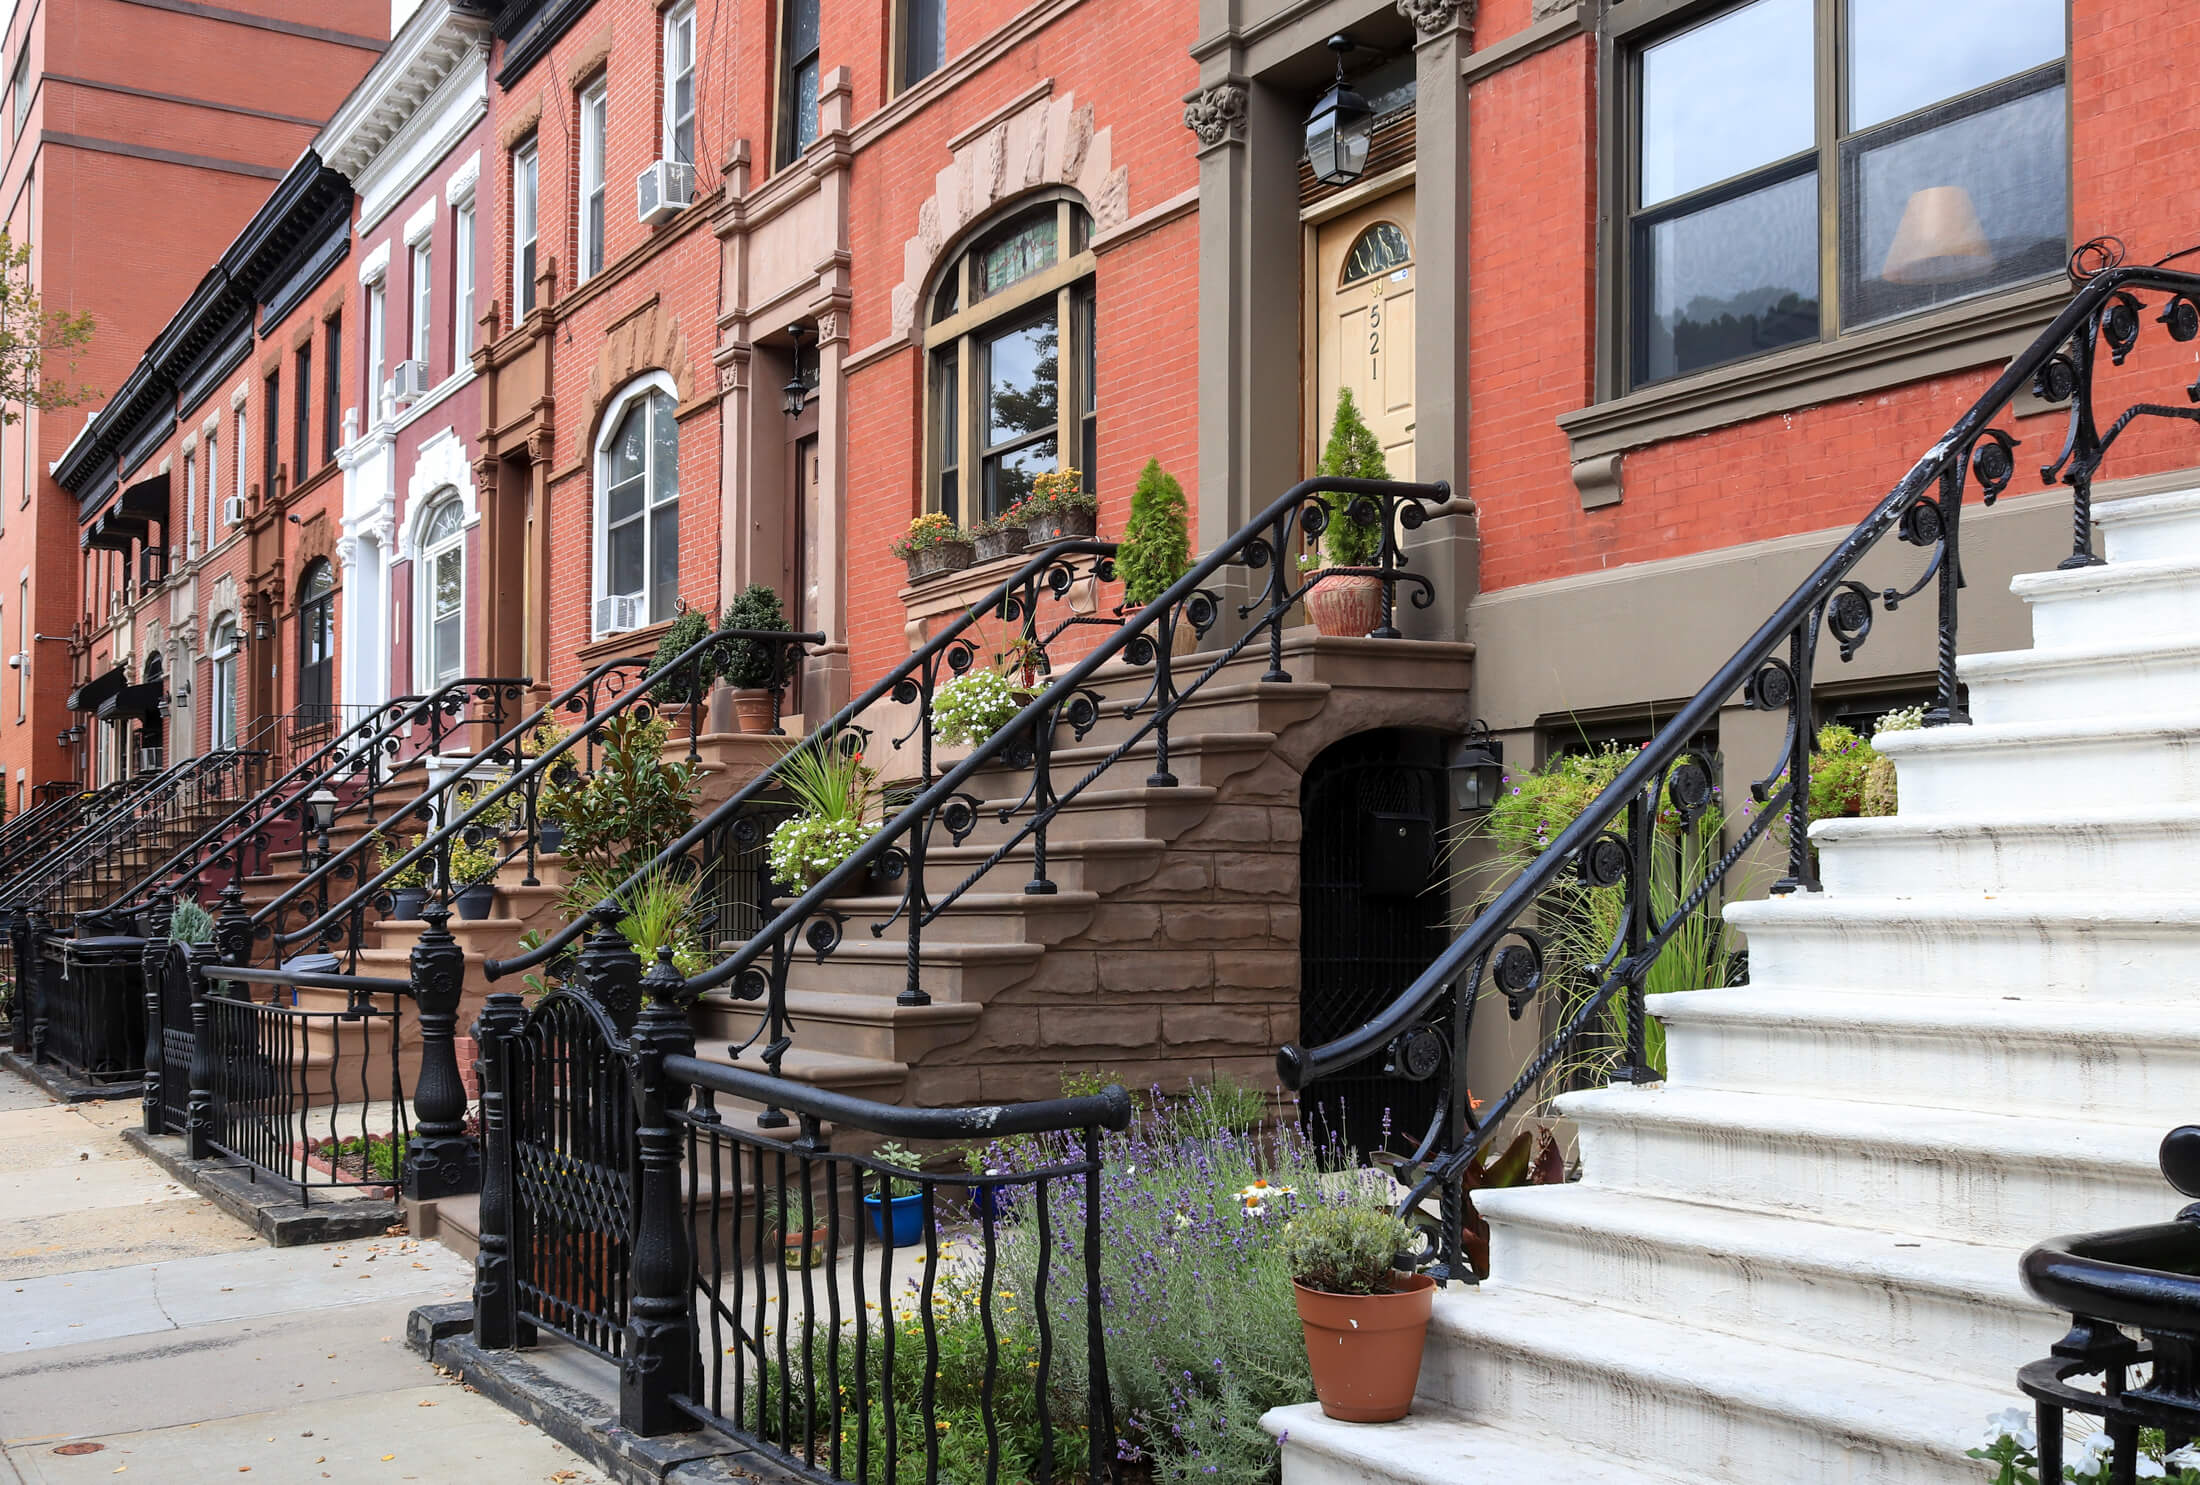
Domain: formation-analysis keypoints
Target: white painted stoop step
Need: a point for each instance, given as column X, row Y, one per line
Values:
column 1795, row 1263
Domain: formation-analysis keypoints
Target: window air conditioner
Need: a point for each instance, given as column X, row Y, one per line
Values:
column 233, row 511
column 411, row 381
column 663, row 191
column 619, row 613
column 149, row 760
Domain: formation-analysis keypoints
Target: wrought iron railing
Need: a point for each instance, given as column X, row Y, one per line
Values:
column 1611, row 844
column 749, row 1285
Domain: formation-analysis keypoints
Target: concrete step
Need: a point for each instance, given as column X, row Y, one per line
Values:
column 1927, row 1304
column 871, row 1026
column 2105, row 852
column 2087, row 606
column 1996, row 771
column 1983, row 1178
column 2153, row 675
column 1984, row 1054
column 2072, row 947
column 1433, row 1446
column 2150, row 528
column 1693, row 1403
column 949, row 971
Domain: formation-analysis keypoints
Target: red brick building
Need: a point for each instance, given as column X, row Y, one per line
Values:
column 140, row 139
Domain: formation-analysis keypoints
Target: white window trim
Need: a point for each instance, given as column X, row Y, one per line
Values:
column 374, row 268
column 532, row 154
column 423, row 646
column 615, row 411
column 674, row 17
column 421, row 224
column 218, row 651
column 421, row 311
column 594, row 155
column 459, row 189
column 465, row 243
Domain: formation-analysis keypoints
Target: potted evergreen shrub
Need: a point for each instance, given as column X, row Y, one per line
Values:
column 409, row 888
column 754, row 667
column 934, row 544
column 473, row 879
column 1003, row 535
column 1157, row 546
column 549, row 829
column 1342, row 603
column 897, row 1206
column 691, row 682
column 1059, row 508
column 1365, row 1320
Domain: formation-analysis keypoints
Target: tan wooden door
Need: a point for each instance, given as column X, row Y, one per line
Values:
column 1363, row 323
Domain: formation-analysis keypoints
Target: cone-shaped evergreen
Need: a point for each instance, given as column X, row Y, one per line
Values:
column 1352, row 453
column 1157, row 544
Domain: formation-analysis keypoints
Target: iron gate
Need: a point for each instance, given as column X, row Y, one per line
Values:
column 1372, row 909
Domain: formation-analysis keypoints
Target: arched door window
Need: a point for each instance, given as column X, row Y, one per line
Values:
column 1010, row 385
column 316, row 643
column 638, row 508
column 222, row 704
column 439, row 599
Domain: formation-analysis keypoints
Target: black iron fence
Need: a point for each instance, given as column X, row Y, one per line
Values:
column 747, row 1281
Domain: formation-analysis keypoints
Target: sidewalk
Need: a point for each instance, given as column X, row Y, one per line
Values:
column 145, row 1334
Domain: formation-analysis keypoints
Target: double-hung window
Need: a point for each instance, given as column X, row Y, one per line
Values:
column 1798, row 169
column 798, row 53
column 462, row 280
column 190, row 503
column 213, row 486
column 440, row 631
column 332, row 390
column 595, row 105
column 241, row 443
column 301, row 422
column 271, row 432
column 679, row 74
column 423, row 299
column 638, row 508
column 523, row 230
column 378, row 325
column 923, row 39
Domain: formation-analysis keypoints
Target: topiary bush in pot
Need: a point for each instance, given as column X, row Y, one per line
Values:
column 754, row 667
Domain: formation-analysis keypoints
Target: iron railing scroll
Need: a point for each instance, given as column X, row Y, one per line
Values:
column 1612, row 842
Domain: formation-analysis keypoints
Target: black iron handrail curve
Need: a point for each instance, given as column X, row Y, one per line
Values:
column 1110, row 1108
column 98, row 835
column 1024, row 583
column 1924, row 507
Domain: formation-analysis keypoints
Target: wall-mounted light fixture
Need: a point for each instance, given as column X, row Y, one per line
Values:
column 1339, row 128
column 1477, row 771
column 796, row 394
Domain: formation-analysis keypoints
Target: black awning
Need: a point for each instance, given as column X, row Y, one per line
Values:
column 147, row 500
column 141, row 701
column 115, row 532
column 97, row 689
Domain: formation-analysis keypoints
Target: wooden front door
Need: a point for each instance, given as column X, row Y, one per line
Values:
column 1363, row 324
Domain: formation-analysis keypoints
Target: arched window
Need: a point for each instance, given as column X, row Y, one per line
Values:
column 1010, row 389
column 1381, row 248
column 221, row 648
column 316, row 643
column 439, row 595
column 638, row 508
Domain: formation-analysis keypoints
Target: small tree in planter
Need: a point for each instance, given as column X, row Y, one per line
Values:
column 1341, row 603
column 934, row 544
column 691, row 682
column 1365, row 1321
column 618, row 818
column 753, row 667
column 473, row 878
column 1157, row 545
column 1059, row 508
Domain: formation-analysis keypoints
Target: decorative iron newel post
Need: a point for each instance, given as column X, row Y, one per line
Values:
column 19, row 944
column 31, row 978
column 232, row 946
column 154, row 961
column 439, row 1159
column 496, row 1292
column 660, row 1361
column 609, row 970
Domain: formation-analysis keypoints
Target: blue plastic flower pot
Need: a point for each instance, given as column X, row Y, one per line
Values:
column 992, row 1200
column 906, row 1219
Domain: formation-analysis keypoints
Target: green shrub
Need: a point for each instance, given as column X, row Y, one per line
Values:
column 190, row 924
column 1345, row 1250
column 971, row 708
column 1351, row 453
column 690, row 627
column 1156, row 547
column 749, row 664
column 620, row 817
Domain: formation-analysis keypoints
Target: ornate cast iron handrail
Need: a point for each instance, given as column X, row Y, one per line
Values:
column 1611, row 842
column 187, row 783
column 1015, row 599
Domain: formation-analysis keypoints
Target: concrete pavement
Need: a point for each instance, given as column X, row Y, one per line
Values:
column 145, row 1334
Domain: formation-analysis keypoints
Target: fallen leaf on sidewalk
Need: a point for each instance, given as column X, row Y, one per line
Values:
column 83, row 1448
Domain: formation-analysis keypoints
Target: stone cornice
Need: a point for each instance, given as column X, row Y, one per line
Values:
column 436, row 42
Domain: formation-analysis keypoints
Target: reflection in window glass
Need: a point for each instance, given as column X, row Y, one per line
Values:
column 1728, row 281
column 638, row 475
column 1379, row 249
column 1020, row 409
column 1903, row 55
column 1940, row 213
column 1725, row 97
column 798, row 80
column 925, row 44
column 443, row 597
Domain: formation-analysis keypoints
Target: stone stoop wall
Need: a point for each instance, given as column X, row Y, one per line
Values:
column 1193, row 971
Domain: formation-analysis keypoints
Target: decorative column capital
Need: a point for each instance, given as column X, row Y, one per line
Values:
column 1216, row 113
column 1431, row 17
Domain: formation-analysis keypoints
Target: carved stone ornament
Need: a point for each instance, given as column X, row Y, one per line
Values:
column 1218, row 112
column 1432, row 16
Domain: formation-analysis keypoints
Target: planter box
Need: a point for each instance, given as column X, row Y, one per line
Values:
column 1067, row 525
column 1004, row 543
column 946, row 556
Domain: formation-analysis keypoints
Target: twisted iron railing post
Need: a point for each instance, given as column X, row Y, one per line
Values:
column 1947, row 706
column 496, row 1291
column 661, row 1362
column 154, row 962
column 439, row 1159
column 198, row 1119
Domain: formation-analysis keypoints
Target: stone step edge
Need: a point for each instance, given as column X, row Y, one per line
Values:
column 2142, row 819
column 1435, row 1446
column 2148, row 507
column 1988, row 736
column 2083, row 582
column 1999, row 910
column 2039, row 1020
column 1997, row 665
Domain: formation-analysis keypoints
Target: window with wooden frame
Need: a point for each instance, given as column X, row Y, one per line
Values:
column 317, row 644
column 798, row 74
column 301, row 421
column 920, row 40
column 1010, row 361
column 679, row 81
column 595, row 115
column 271, row 431
column 523, row 230
column 1797, row 169
column 462, row 284
column 637, row 517
column 332, row 389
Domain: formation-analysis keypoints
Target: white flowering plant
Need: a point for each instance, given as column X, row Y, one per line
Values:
column 2012, row 1447
column 971, row 708
column 805, row 849
column 832, row 787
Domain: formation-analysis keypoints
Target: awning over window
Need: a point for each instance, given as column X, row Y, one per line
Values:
column 89, row 695
column 147, row 500
column 141, row 702
column 113, row 531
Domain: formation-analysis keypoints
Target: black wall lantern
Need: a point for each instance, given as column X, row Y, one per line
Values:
column 797, row 390
column 1338, row 130
column 1477, row 771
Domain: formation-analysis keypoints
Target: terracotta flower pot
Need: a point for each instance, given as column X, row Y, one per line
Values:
column 1365, row 1349
column 819, row 1241
column 752, row 708
column 1345, row 606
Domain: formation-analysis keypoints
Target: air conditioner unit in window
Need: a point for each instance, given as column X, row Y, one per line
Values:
column 233, row 511
column 410, row 383
column 619, row 612
column 663, row 191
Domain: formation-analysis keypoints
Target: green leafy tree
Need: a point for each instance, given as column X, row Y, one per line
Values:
column 1351, row 453
column 1157, row 545
column 32, row 337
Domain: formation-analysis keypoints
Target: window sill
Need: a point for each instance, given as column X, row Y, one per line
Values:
column 1959, row 337
column 626, row 643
